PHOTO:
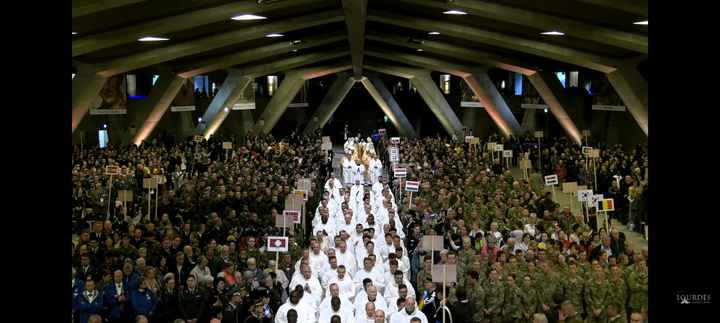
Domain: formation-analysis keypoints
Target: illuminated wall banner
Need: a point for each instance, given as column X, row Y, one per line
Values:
column 471, row 104
column 608, row 107
column 244, row 106
column 182, row 108
column 534, row 106
column 108, row 111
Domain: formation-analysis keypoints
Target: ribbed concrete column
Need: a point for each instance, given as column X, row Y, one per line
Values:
column 338, row 90
column 85, row 88
column 247, row 121
column 437, row 103
column 161, row 96
column 230, row 90
column 529, row 122
column 481, row 85
column 551, row 91
column 387, row 103
column 285, row 93
column 632, row 88
column 185, row 126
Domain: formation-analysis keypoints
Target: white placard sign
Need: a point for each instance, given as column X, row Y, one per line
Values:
column 277, row 244
column 507, row 153
column 444, row 273
column 227, row 145
column 539, row 134
column 395, row 140
column 595, row 199
column 412, row 186
column 584, row 195
column 551, row 180
column 499, row 147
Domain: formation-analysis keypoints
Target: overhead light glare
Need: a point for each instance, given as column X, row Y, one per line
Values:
column 644, row 23
column 419, row 49
column 74, row 33
column 246, row 17
column 151, row 38
column 274, row 35
column 294, row 50
column 553, row 33
column 455, row 12
column 297, row 41
column 434, row 33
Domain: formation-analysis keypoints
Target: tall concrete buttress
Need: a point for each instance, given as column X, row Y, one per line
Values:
column 551, row 91
column 285, row 93
column 529, row 122
column 387, row 103
column 161, row 96
column 231, row 89
column 85, row 88
column 632, row 89
column 481, row 85
column 332, row 100
column 437, row 103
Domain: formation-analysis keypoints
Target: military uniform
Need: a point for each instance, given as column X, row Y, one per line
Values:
column 512, row 308
column 596, row 297
column 573, row 288
column 638, row 287
column 494, row 300
column 618, row 292
column 546, row 285
column 476, row 295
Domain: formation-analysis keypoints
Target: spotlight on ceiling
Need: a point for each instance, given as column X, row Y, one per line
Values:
column 433, row 33
column 419, row 49
column 297, row 41
column 644, row 23
column 553, row 33
column 152, row 38
column 455, row 12
column 74, row 33
column 416, row 41
column 246, row 17
column 274, row 35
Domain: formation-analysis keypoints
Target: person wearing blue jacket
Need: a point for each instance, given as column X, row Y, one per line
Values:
column 115, row 298
column 88, row 302
column 143, row 301
column 132, row 278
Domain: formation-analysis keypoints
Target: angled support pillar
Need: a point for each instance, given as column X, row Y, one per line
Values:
column 247, row 121
column 437, row 103
column 632, row 88
column 387, row 103
column 551, row 91
column 338, row 90
column 286, row 92
column 481, row 85
column 85, row 88
column 154, row 107
column 229, row 92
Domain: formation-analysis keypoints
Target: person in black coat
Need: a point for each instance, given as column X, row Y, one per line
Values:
column 192, row 301
column 168, row 307
column 181, row 268
column 235, row 312
column 463, row 309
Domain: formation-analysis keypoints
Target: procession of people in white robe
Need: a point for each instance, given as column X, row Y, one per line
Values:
column 345, row 273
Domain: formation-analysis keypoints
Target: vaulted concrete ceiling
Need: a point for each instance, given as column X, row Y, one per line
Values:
column 503, row 34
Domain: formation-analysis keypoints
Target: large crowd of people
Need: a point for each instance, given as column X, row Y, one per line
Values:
column 200, row 254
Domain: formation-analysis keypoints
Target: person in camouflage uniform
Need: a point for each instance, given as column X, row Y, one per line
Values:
column 547, row 284
column 529, row 298
column 573, row 287
column 618, row 292
column 512, row 308
column 494, row 298
column 568, row 314
column 638, row 286
column 596, row 296
column 476, row 295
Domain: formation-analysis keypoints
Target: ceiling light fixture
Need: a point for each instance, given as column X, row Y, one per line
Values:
column 455, row 12
column 152, row 38
column 644, row 23
column 433, row 33
column 74, row 33
column 274, row 35
column 297, row 41
column 246, row 17
column 294, row 50
column 553, row 33
column 419, row 49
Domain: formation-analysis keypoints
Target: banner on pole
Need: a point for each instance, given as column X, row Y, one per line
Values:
column 303, row 194
column 551, row 180
column 469, row 139
column 198, row 138
column 444, row 273
column 287, row 219
column 412, row 186
column 539, row 134
column 595, row 199
column 112, row 170
column 400, row 172
column 395, row 140
column 507, row 153
column 277, row 244
column 525, row 164
column 432, row 242
column 125, row 196
column 227, row 145
column 586, row 133
column 606, row 205
column 584, row 195
column 150, row 183
column 570, row 187
column 586, row 150
column 595, row 153
column 499, row 147
column 491, row 146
